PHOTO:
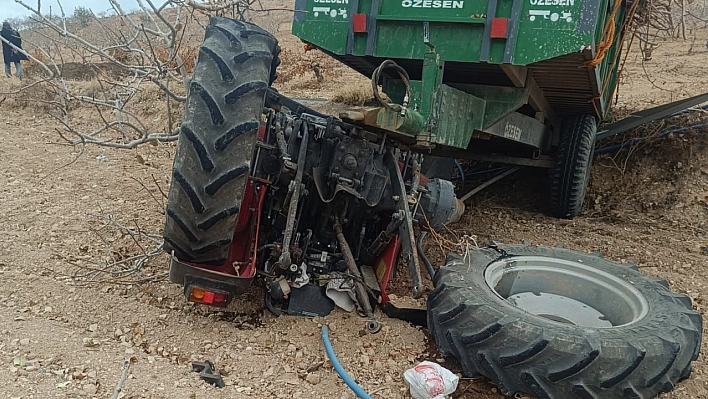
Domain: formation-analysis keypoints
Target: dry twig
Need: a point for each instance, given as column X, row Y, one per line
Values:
column 123, row 377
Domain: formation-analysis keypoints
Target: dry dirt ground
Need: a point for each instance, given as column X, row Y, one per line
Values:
column 63, row 337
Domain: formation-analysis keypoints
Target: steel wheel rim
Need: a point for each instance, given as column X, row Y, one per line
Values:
column 566, row 292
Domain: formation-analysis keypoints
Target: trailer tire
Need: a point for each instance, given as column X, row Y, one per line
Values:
column 224, row 108
column 572, row 171
column 522, row 352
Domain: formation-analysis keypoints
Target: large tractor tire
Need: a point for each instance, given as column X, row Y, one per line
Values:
column 572, row 172
column 562, row 324
column 212, row 163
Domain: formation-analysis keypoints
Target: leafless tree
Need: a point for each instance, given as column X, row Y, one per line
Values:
column 125, row 54
column 658, row 20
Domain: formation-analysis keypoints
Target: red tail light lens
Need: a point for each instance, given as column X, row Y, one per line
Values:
column 208, row 297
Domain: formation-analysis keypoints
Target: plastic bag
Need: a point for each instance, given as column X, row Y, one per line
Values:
column 430, row 381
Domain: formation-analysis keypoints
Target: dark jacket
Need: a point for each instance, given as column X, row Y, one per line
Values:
column 10, row 54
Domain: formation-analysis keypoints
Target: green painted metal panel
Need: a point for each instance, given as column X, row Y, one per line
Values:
column 430, row 83
column 411, row 123
column 396, row 90
column 459, row 31
column 500, row 100
column 459, row 114
column 324, row 23
column 539, row 29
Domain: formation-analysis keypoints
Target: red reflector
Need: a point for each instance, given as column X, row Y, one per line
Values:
column 208, row 297
column 220, row 299
column 499, row 28
column 359, row 23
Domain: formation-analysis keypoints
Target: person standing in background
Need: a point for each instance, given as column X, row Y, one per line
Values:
column 11, row 55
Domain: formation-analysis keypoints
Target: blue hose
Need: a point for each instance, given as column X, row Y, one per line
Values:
column 616, row 147
column 359, row 391
column 462, row 173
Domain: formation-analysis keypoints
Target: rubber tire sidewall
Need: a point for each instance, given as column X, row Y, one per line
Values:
column 466, row 283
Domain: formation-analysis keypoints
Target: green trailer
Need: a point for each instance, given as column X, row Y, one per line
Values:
column 521, row 82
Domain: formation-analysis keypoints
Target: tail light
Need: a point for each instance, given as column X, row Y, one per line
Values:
column 208, row 296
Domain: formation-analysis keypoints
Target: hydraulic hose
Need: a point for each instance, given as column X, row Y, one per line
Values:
column 462, row 173
column 424, row 258
column 359, row 391
column 270, row 307
column 375, row 76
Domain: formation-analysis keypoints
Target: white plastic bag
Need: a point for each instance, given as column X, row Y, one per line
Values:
column 430, row 381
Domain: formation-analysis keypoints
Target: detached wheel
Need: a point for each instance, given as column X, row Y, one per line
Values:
column 561, row 324
column 572, row 172
column 236, row 64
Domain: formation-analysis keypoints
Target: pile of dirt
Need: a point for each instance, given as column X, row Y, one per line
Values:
column 661, row 176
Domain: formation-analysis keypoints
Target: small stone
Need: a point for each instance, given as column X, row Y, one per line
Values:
column 118, row 332
column 364, row 359
column 129, row 351
column 31, row 368
column 313, row 378
column 24, row 341
column 92, row 375
column 90, row 389
column 93, row 327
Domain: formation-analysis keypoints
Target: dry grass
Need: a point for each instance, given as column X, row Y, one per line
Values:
column 312, row 64
column 37, row 54
column 355, row 95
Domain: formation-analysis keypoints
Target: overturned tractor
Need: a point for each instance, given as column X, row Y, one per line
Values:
column 313, row 204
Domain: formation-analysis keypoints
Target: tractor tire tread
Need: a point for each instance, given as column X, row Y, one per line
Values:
column 573, row 162
column 527, row 354
column 213, row 157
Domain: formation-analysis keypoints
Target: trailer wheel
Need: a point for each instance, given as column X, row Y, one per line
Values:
column 572, row 172
column 562, row 324
column 212, row 163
